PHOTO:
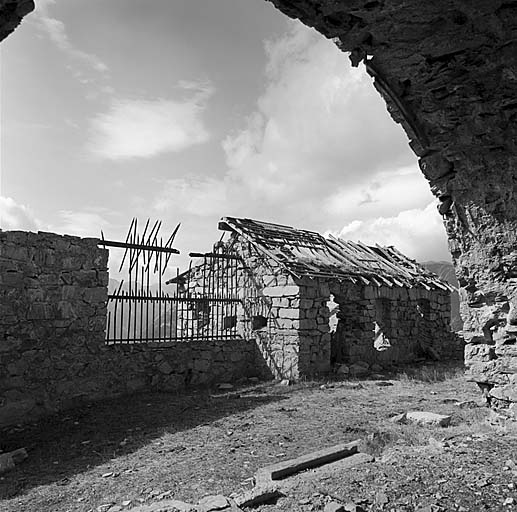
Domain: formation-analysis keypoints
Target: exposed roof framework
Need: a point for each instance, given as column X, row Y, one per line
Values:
column 307, row 253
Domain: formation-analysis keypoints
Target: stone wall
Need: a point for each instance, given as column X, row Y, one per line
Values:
column 297, row 339
column 12, row 13
column 448, row 73
column 385, row 326
column 53, row 292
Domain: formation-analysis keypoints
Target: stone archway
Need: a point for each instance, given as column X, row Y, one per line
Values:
column 447, row 70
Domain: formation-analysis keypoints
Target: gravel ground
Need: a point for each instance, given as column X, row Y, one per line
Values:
column 143, row 449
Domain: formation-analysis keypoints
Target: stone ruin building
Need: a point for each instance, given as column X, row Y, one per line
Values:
column 448, row 73
column 311, row 302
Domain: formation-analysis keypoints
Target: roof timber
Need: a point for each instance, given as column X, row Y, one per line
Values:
column 307, row 253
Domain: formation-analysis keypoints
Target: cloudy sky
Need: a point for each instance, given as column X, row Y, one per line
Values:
column 190, row 110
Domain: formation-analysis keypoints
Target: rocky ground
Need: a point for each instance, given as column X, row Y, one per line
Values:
column 147, row 450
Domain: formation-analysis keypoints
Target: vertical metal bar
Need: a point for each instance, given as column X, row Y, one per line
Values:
column 169, row 303
column 121, row 316
column 189, row 327
column 236, row 293
column 108, row 326
column 176, row 303
column 148, row 294
column 127, row 239
column 142, row 300
column 137, row 257
column 131, row 257
column 115, row 318
column 218, row 304
column 160, row 293
column 213, row 292
column 153, row 318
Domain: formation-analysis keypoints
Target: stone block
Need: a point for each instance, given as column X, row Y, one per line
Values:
column 306, row 304
column 165, row 367
column 308, row 323
column 281, row 291
column 289, row 313
column 281, row 302
column 428, row 418
column 479, row 352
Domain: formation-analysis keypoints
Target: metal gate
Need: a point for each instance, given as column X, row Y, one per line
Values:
column 200, row 304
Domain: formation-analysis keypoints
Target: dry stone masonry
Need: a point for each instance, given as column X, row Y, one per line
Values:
column 290, row 279
column 53, row 355
column 448, row 72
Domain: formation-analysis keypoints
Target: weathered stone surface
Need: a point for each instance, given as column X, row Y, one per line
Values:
column 450, row 81
column 506, row 393
column 448, row 72
column 166, row 506
column 281, row 291
column 428, row 418
column 11, row 14
column 209, row 503
column 334, row 506
column 52, row 348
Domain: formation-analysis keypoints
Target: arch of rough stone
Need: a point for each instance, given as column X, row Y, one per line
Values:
column 447, row 70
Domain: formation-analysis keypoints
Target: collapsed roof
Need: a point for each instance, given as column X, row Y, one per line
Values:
column 307, row 253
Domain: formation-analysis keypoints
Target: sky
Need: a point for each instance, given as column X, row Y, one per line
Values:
column 191, row 110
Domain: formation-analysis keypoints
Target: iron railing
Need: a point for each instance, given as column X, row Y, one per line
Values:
column 197, row 305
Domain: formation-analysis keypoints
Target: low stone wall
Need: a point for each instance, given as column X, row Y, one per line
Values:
column 53, row 292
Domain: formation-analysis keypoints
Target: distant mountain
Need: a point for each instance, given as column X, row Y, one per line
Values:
column 444, row 270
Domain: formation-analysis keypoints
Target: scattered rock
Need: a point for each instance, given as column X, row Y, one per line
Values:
column 10, row 459
column 166, row 505
column 381, row 499
column 425, row 418
column 359, row 370
column 209, row 503
column 467, row 404
column 343, row 370
column 437, row 445
column 285, row 382
column 257, row 496
column 399, row 418
column 383, row 383
column 334, row 506
column 350, row 506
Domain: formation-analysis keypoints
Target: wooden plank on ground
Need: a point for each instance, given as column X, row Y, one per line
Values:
column 311, row 460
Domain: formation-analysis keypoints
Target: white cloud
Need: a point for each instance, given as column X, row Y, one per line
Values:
column 318, row 152
column 80, row 223
column 318, row 125
column 385, row 194
column 202, row 197
column 418, row 233
column 145, row 128
column 14, row 216
column 56, row 31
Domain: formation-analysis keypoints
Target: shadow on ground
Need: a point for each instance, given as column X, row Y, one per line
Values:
column 73, row 441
